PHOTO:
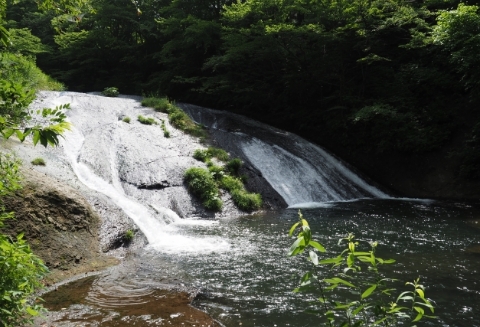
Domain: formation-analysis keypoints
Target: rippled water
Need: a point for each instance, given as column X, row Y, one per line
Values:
column 249, row 281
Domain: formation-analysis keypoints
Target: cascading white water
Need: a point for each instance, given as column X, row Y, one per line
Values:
column 305, row 181
column 304, row 174
column 96, row 119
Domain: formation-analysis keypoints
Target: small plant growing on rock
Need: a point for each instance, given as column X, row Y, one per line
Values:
column 234, row 165
column 201, row 183
column 158, row 104
column 166, row 132
column 218, row 153
column 126, row 120
column 128, row 237
column 38, row 162
column 147, row 121
column 216, row 171
column 110, row 92
column 177, row 117
column 246, row 201
column 200, row 155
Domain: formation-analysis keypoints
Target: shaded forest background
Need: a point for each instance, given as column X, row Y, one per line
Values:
column 391, row 86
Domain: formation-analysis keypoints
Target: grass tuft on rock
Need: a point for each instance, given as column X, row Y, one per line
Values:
column 111, row 92
column 202, row 184
column 38, row 162
column 246, row 201
column 176, row 116
column 147, row 121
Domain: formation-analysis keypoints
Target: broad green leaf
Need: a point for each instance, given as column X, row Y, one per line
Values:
column 7, row 133
column 379, row 321
column 299, row 243
column 317, row 246
column 31, row 311
column 418, row 317
column 369, row 291
column 292, row 229
column 357, row 310
column 331, row 260
column 337, row 280
column 36, row 137
column 420, row 293
column 350, row 260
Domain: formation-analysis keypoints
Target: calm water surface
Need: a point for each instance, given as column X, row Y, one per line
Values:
column 249, row 282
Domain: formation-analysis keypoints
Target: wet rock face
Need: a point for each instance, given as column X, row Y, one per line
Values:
column 57, row 221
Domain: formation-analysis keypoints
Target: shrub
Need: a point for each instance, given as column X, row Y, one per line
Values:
column 110, row 92
column 38, row 162
column 18, row 69
column 218, row 153
column 176, row 116
column 158, row 104
column 126, row 120
column 201, row 183
column 200, row 155
column 246, row 201
column 234, row 165
column 216, row 171
column 231, row 183
column 147, row 121
column 20, row 270
column 211, row 152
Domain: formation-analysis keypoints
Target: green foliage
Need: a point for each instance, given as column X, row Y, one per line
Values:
column 368, row 299
column 222, row 176
column 246, row 201
column 201, row 155
column 176, row 116
column 38, row 162
column 218, row 153
column 389, row 130
column 126, row 120
column 147, row 121
column 20, row 270
column 158, row 104
column 216, row 172
column 166, row 132
column 25, row 44
column 128, row 236
column 231, row 183
column 201, row 183
column 234, row 165
column 457, row 33
column 110, row 92
column 211, row 152
column 19, row 70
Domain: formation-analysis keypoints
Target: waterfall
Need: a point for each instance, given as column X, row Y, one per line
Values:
column 302, row 173
column 108, row 156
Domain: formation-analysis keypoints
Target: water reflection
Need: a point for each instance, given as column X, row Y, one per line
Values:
column 250, row 283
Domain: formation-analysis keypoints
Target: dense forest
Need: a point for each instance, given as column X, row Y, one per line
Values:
column 380, row 82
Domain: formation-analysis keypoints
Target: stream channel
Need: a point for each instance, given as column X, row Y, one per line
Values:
column 239, row 264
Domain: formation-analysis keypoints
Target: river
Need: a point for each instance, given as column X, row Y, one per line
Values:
column 249, row 281
column 239, row 264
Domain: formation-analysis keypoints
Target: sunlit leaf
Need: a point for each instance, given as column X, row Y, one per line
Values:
column 369, row 291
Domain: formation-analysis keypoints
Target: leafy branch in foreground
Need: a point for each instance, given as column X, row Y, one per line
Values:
column 20, row 270
column 357, row 279
column 48, row 126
